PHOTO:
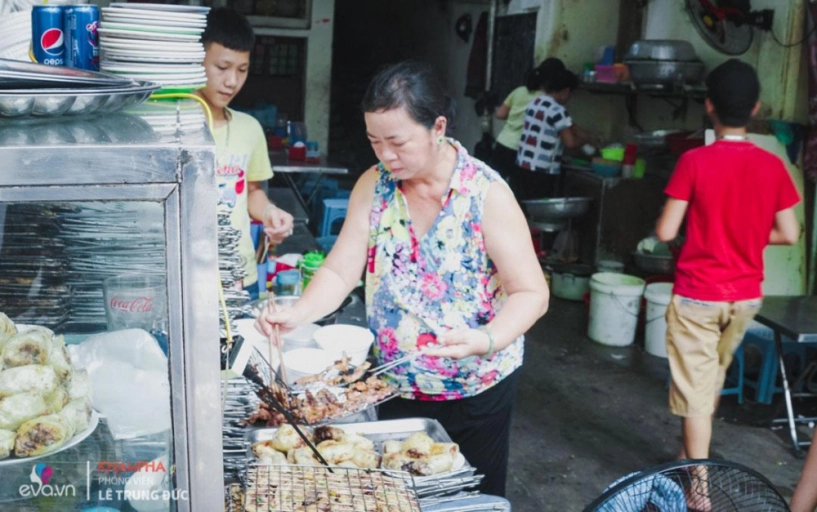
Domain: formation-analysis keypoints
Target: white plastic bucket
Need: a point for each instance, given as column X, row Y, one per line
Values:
column 615, row 300
column 658, row 297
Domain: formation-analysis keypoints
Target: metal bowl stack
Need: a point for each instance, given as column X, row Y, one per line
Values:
column 663, row 62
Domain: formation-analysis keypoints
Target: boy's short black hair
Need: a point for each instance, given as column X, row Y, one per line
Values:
column 230, row 29
column 733, row 88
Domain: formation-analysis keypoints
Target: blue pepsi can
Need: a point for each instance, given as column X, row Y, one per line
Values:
column 47, row 39
column 81, row 38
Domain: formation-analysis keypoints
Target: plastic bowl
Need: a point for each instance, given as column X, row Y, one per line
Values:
column 606, row 168
column 303, row 362
column 336, row 339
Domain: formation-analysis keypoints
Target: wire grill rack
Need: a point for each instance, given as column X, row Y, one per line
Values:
column 313, row 488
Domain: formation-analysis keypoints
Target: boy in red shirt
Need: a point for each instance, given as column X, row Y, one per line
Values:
column 737, row 199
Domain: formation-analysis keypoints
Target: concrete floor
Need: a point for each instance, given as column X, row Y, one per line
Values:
column 587, row 414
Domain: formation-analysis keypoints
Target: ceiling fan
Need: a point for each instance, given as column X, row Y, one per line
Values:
column 728, row 25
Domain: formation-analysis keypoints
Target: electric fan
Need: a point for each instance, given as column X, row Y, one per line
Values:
column 689, row 485
column 727, row 25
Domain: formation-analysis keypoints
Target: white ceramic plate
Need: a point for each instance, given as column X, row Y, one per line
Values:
column 149, row 52
column 135, row 58
column 114, row 17
column 157, row 29
column 184, row 9
column 181, row 69
column 150, row 36
column 78, row 438
column 156, row 15
column 137, row 45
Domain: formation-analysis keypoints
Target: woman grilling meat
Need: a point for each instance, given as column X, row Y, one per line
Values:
column 449, row 268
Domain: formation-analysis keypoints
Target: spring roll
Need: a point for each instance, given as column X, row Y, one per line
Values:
column 42, row 435
column 56, row 400
column 59, row 359
column 6, row 443
column 80, row 387
column 25, row 348
column 7, row 329
column 24, row 379
column 78, row 414
column 17, row 409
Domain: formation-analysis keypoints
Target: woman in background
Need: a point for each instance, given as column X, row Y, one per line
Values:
column 512, row 111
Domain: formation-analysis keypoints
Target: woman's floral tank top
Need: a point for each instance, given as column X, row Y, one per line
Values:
column 416, row 288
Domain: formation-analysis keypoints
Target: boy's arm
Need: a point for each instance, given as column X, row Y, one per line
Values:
column 671, row 219
column 278, row 224
column 786, row 229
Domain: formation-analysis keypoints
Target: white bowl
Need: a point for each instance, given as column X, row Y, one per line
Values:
column 301, row 337
column 303, row 362
column 353, row 340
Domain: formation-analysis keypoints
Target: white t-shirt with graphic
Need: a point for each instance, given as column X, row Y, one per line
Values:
column 540, row 148
column 241, row 157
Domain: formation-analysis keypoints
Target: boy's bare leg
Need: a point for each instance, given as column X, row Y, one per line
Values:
column 690, row 436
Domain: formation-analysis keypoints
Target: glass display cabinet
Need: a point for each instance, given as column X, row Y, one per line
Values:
column 109, row 347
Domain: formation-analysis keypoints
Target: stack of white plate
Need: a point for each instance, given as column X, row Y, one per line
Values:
column 15, row 35
column 156, row 42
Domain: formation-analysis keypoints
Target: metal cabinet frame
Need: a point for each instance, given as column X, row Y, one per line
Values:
column 177, row 170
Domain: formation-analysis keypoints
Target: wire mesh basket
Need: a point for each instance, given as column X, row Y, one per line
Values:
column 692, row 485
column 270, row 488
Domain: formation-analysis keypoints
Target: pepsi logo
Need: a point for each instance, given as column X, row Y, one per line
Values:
column 52, row 42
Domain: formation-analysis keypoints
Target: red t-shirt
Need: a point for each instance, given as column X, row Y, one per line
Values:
column 734, row 190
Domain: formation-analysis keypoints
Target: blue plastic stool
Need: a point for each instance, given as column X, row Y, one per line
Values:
column 765, row 384
column 333, row 210
column 327, row 242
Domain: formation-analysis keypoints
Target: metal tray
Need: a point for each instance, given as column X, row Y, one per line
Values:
column 17, row 103
column 381, row 431
column 13, row 73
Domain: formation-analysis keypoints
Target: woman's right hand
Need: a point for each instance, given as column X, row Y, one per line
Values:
column 286, row 318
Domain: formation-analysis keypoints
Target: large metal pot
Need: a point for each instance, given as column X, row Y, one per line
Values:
column 661, row 49
column 556, row 208
column 664, row 71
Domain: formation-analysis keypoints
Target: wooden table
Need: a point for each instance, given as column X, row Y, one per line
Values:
column 796, row 318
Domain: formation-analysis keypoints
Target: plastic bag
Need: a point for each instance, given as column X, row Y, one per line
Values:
column 129, row 379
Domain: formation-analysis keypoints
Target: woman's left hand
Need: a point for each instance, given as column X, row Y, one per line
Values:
column 278, row 224
column 461, row 343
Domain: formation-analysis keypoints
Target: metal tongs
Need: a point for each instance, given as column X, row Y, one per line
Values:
column 383, row 368
column 268, row 397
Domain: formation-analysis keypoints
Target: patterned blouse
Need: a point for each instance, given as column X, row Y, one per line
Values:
column 416, row 288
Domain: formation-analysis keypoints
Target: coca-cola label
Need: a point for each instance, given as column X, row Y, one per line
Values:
column 131, row 305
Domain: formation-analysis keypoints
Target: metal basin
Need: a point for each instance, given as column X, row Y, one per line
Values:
column 661, row 49
column 556, row 208
column 664, row 71
column 654, row 264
